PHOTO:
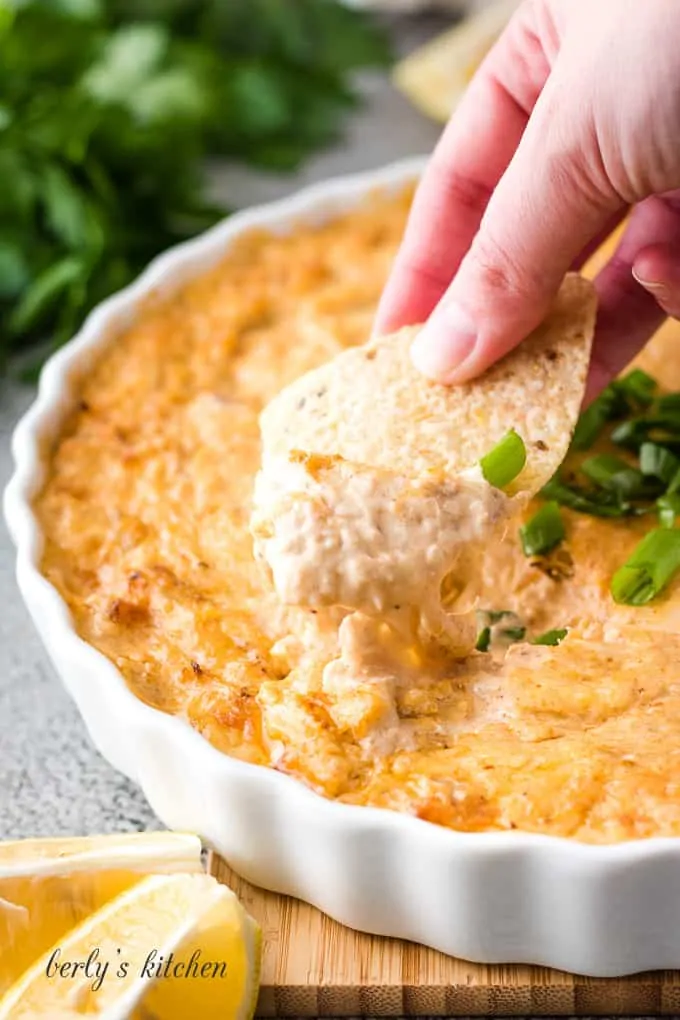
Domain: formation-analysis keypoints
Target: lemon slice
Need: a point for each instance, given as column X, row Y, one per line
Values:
column 435, row 75
column 172, row 946
column 49, row 885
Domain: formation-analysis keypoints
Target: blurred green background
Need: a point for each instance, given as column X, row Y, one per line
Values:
column 109, row 112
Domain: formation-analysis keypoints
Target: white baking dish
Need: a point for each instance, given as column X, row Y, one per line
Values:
column 496, row 897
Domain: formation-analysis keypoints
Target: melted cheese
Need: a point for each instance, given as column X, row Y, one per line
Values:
column 334, row 534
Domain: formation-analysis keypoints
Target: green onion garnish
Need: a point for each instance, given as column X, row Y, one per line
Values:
column 638, row 387
column 634, row 391
column 496, row 615
column 501, row 465
column 543, row 531
column 551, row 637
column 649, row 569
column 630, row 433
column 488, row 620
column 483, row 640
column 659, row 428
column 668, row 509
column 668, row 402
column 597, row 503
column 608, row 406
column 514, row 633
column 659, row 462
column 648, row 425
column 614, row 474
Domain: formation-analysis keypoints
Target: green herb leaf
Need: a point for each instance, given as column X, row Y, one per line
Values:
column 483, row 640
column 130, row 57
column 664, row 429
column 609, row 405
column 503, row 463
column 551, row 637
column 109, row 111
column 65, row 204
column 668, row 403
column 496, row 615
column 596, row 502
column 649, row 569
column 638, row 387
column 668, row 509
column 543, row 531
column 634, row 392
column 615, row 475
column 622, row 488
column 14, row 271
column 514, row 633
column 659, row 462
column 44, row 291
column 490, row 632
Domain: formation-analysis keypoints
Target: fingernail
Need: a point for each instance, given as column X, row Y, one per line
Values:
column 653, row 285
column 444, row 343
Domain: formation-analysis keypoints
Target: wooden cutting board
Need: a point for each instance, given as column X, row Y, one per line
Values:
column 313, row 966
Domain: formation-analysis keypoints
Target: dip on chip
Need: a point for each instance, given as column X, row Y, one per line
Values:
column 373, row 493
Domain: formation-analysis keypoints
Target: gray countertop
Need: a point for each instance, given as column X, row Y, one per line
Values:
column 52, row 781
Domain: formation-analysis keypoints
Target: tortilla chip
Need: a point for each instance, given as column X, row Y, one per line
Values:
column 370, row 406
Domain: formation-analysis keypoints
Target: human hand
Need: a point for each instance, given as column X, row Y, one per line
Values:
column 571, row 122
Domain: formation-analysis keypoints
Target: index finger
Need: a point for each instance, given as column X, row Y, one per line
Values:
column 469, row 160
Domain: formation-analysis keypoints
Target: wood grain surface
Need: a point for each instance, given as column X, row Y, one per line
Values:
column 313, row 966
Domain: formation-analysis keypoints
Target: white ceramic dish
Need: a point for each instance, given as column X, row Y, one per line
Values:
column 491, row 897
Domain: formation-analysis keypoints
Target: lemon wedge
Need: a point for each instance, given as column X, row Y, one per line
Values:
column 172, row 946
column 435, row 75
column 49, row 885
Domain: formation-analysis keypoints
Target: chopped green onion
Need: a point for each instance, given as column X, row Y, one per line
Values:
column 658, row 461
column 629, row 433
column 668, row 509
column 638, row 387
column 496, row 615
column 544, row 531
column 608, row 406
column 602, row 467
column 649, row 569
column 649, row 426
column 551, row 637
column 664, row 428
column 634, row 391
column 668, row 402
column 596, row 503
column 483, row 640
column 614, row 474
column 501, row 465
column 488, row 619
column 514, row 633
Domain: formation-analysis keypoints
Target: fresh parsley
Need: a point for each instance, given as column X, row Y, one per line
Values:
column 108, row 109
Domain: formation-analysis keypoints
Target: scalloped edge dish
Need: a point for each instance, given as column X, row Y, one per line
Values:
column 490, row 897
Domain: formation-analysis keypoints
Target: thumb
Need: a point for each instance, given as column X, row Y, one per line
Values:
column 550, row 202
